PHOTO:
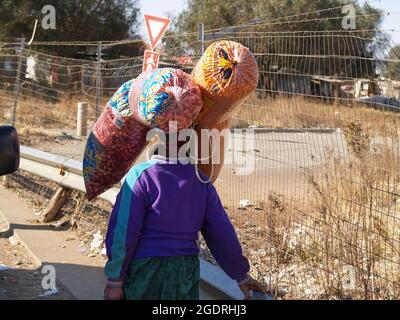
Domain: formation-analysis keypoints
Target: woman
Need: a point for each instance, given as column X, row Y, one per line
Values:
column 153, row 231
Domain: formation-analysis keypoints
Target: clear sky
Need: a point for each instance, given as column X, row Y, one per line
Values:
column 174, row 7
column 391, row 20
column 162, row 8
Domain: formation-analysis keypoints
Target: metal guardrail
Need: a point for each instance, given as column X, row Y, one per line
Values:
column 63, row 171
column 68, row 173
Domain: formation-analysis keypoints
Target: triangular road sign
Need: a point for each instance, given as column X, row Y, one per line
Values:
column 156, row 28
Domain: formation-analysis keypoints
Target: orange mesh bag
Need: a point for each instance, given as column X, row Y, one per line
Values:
column 212, row 165
column 227, row 74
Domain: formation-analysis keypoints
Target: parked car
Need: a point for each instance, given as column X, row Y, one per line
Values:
column 381, row 102
column 9, row 150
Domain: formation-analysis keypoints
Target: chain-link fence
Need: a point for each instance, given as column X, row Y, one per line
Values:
column 319, row 213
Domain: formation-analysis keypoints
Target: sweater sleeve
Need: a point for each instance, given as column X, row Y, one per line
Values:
column 221, row 238
column 124, row 228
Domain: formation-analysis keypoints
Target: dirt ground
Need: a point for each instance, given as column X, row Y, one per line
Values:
column 22, row 281
column 20, row 275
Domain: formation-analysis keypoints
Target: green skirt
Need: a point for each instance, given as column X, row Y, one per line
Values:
column 163, row 278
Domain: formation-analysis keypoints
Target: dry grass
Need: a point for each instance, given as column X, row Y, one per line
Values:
column 294, row 246
column 281, row 112
column 344, row 242
column 357, row 219
column 37, row 114
column 299, row 112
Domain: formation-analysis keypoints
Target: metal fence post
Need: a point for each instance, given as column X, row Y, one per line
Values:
column 98, row 79
column 81, row 123
column 201, row 36
column 17, row 82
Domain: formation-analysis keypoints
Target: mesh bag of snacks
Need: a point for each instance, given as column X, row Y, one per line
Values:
column 227, row 74
column 212, row 164
column 119, row 135
column 112, row 147
column 166, row 95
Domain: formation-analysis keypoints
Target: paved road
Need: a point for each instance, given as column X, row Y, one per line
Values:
column 255, row 164
column 275, row 162
column 270, row 149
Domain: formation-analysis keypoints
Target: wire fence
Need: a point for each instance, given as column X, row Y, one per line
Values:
column 319, row 213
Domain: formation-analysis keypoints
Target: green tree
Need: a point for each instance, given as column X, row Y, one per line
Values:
column 284, row 15
column 82, row 20
column 393, row 64
column 294, row 33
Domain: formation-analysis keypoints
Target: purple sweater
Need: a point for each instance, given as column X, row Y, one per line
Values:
column 158, row 213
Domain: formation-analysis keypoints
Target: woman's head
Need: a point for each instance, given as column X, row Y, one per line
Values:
column 167, row 145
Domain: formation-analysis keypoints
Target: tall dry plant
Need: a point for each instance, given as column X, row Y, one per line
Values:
column 357, row 219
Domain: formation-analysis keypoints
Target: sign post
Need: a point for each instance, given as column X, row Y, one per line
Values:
column 156, row 27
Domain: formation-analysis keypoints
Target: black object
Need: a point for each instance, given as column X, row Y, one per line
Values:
column 9, row 150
